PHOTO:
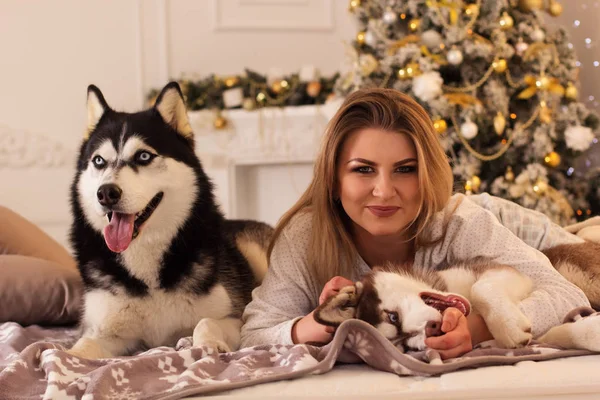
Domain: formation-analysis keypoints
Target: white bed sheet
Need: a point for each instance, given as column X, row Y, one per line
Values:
column 574, row 378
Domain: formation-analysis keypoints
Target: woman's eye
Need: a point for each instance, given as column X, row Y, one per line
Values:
column 407, row 169
column 393, row 317
column 99, row 162
column 363, row 170
column 144, row 157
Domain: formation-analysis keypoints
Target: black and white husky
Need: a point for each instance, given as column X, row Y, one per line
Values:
column 406, row 304
column 158, row 259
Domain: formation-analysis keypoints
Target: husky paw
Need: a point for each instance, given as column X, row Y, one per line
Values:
column 509, row 326
column 88, row 349
column 216, row 344
column 583, row 334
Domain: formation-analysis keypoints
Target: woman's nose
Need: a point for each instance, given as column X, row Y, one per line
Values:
column 384, row 188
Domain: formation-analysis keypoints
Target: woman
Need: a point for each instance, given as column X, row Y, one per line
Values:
column 382, row 192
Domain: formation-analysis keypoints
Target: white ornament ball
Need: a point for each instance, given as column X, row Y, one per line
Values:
column 431, row 38
column 579, row 138
column 521, row 47
column 455, row 56
column 538, row 35
column 370, row 38
column 390, row 17
column 428, row 85
column 469, row 129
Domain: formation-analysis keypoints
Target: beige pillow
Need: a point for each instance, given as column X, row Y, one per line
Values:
column 39, row 281
column 36, row 291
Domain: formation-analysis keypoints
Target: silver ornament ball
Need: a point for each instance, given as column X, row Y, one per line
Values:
column 455, row 56
column 431, row 38
column 390, row 17
column 469, row 129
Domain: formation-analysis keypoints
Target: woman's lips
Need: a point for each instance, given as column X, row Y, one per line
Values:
column 383, row 211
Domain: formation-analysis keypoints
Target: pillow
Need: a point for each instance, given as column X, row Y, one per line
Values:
column 37, row 291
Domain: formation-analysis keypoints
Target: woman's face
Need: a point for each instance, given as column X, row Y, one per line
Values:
column 378, row 181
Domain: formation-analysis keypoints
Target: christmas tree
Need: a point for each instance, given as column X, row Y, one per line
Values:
column 502, row 90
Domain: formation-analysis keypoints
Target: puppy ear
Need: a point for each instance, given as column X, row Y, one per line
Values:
column 96, row 108
column 340, row 307
column 171, row 107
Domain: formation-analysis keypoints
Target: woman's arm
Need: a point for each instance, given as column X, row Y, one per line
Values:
column 285, row 299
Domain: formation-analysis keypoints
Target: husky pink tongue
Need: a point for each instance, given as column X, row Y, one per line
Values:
column 119, row 232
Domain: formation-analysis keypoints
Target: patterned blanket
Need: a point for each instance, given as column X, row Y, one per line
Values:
column 34, row 365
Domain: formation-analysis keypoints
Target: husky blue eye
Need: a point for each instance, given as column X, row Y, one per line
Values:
column 143, row 157
column 98, row 162
column 393, row 317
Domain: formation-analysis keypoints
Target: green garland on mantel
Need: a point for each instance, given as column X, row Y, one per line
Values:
column 252, row 90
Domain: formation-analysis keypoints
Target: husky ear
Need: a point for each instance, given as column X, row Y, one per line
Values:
column 171, row 108
column 96, row 107
column 340, row 307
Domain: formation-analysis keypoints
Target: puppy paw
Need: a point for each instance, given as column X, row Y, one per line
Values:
column 218, row 345
column 88, row 349
column 509, row 326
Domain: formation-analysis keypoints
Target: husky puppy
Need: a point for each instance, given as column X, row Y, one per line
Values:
column 158, row 259
column 406, row 305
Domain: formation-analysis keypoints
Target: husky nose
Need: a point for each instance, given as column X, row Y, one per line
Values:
column 109, row 194
column 433, row 328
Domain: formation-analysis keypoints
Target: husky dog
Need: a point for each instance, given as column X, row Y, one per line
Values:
column 406, row 305
column 158, row 259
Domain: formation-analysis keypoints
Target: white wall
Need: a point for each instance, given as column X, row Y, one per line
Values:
column 51, row 51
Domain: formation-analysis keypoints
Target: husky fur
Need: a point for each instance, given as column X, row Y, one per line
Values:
column 158, row 259
column 406, row 304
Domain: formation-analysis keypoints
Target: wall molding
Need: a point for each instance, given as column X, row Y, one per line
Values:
column 22, row 149
column 228, row 20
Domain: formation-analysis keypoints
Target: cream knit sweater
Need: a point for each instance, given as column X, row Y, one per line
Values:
column 482, row 225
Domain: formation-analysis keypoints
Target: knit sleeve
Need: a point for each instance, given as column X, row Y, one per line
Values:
column 286, row 294
column 473, row 231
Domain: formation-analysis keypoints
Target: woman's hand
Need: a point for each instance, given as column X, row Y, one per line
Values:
column 307, row 329
column 456, row 339
column 333, row 286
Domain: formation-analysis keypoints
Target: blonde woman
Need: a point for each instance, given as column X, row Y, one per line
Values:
column 382, row 191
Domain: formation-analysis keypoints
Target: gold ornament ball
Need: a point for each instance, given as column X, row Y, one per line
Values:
column 313, row 89
column 360, row 38
column 506, row 21
column 412, row 70
column 220, row 122
column 354, row 4
column 555, row 9
column 261, row 98
column 279, row 86
column 552, row 159
column 472, row 9
column 152, row 100
column 500, row 65
column 542, row 83
column 530, row 5
column 414, row 24
column 402, row 74
column 231, row 81
column 571, row 92
column 248, row 104
column 509, row 175
column 440, row 126
column 475, row 183
column 540, row 187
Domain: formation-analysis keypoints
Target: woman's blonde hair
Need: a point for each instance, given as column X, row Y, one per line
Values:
column 331, row 250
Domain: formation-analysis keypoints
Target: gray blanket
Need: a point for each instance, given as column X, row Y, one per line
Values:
column 34, row 365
